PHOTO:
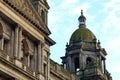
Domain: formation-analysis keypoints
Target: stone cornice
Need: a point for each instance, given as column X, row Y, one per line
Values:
column 45, row 3
column 25, row 8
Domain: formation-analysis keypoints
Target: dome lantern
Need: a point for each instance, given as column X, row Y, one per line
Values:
column 82, row 19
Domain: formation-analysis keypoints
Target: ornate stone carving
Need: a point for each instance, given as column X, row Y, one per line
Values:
column 23, row 6
column 26, row 10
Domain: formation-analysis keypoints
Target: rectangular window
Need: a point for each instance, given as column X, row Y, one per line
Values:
column 76, row 63
column 5, row 46
column 45, row 70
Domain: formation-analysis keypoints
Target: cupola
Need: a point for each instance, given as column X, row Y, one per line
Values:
column 82, row 19
column 82, row 33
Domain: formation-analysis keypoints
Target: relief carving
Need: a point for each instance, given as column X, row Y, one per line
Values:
column 23, row 6
column 25, row 9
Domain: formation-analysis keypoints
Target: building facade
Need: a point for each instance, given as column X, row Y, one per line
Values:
column 25, row 45
column 25, row 42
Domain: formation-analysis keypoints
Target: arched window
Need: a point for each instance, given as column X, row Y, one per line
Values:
column 76, row 63
column 88, row 60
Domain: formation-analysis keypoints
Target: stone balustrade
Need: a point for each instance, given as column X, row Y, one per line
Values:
column 58, row 69
column 17, row 63
column 91, row 71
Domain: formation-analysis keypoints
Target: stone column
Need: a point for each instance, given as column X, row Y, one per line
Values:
column 35, row 57
column 12, row 44
column 16, row 42
column 39, row 58
column 1, row 43
column 82, row 60
column 19, row 43
column 48, row 65
column 69, row 63
column 104, row 66
column 28, row 60
column 79, row 60
column 100, row 62
column 48, row 68
column 42, row 57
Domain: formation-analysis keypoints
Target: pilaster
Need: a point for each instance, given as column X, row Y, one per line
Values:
column 104, row 62
column 79, row 60
column 16, row 42
column 100, row 62
column 48, row 68
column 1, row 43
column 39, row 60
column 42, row 57
column 70, row 66
column 19, row 42
column 12, row 43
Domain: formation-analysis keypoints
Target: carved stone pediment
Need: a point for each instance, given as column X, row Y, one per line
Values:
column 26, row 9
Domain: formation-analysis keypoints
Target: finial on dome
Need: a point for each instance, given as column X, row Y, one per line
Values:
column 81, row 12
column 67, row 44
column 82, row 19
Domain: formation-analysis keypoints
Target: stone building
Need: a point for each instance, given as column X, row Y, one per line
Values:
column 84, row 55
column 25, row 46
column 25, row 42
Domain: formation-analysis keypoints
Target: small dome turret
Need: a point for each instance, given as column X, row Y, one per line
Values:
column 82, row 19
column 82, row 33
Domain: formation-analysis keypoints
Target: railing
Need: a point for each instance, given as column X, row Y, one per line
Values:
column 90, row 71
column 60, row 70
column 87, row 72
column 5, row 56
column 16, row 62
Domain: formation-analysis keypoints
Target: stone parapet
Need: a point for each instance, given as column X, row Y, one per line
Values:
column 17, row 65
column 64, row 74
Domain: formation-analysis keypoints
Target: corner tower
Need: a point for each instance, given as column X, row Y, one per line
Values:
column 84, row 55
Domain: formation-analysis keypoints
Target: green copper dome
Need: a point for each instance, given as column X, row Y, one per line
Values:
column 82, row 34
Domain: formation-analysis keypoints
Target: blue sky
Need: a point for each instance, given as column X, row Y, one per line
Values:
column 103, row 19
